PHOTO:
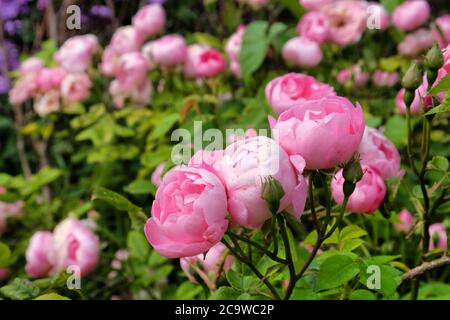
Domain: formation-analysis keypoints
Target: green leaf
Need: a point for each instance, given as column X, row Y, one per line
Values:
column 294, row 7
column 51, row 296
column 351, row 232
column 438, row 163
column 140, row 186
column 362, row 295
column 164, row 126
column 275, row 30
column 396, row 130
column 207, row 39
column 20, row 289
column 443, row 85
column 43, row 177
column 254, row 48
column 439, row 109
column 188, row 291
column 118, row 201
column 335, row 271
column 352, row 244
column 138, row 246
column 5, row 255
column 225, row 293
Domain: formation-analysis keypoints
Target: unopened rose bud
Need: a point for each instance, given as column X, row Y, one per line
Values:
column 272, row 192
column 352, row 171
column 434, row 58
column 348, row 188
column 408, row 98
column 412, row 78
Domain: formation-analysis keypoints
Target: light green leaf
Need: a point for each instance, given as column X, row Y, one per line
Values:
column 443, row 85
column 254, row 48
column 362, row 295
column 335, row 271
column 140, row 186
column 51, row 296
column 20, row 289
column 5, row 254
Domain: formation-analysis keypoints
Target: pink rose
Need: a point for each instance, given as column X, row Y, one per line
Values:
column 140, row 94
column 325, row 132
column 379, row 153
column 234, row 43
column 25, row 88
column 76, row 53
column 75, row 245
column 416, row 42
column 417, row 105
column 313, row 5
column 378, row 17
column 347, row 20
column 384, row 79
column 167, row 51
column 75, row 87
column 50, row 78
column 188, row 213
column 131, row 70
column 353, row 74
column 110, row 60
column 157, row 174
column 443, row 23
column 47, row 103
column 126, row 39
column 209, row 160
column 213, row 263
column 294, row 89
column 406, row 221
column 438, row 237
column 314, row 26
column 39, row 254
column 4, row 273
column 31, row 66
column 411, row 14
column 368, row 194
column 245, row 165
column 150, row 20
column 302, row 52
column 203, row 62
column 235, row 67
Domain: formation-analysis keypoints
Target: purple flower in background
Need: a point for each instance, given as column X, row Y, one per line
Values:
column 157, row 1
column 42, row 4
column 4, row 84
column 12, row 27
column 10, row 9
column 101, row 11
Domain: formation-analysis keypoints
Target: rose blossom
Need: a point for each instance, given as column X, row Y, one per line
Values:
column 443, row 23
column 31, row 65
column 302, row 52
column 23, row 89
column 76, row 53
column 411, row 14
column 150, row 20
column 293, row 89
column 417, row 104
column 379, row 14
column 384, row 79
column 347, row 20
column 50, row 78
column 314, row 26
column 188, row 213
column 438, row 237
column 75, row 87
column 368, row 194
column 234, row 43
column 140, row 93
column 245, row 165
column 313, row 5
column 354, row 74
column 47, row 103
column 39, row 254
column 75, row 244
column 207, row 159
column 126, row 39
column 416, row 42
column 110, row 60
column 203, row 62
column 208, row 263
column 167, row 51
column 156, row 177
column 406, row 221
column 131, row 70
column 379, row 153
column 325, row 132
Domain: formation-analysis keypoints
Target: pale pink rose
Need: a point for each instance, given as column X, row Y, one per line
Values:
column 235, row 67
column 40, row 254
column 157, row 174
column 241, row 135
column 417, row 105
column 443, row 23
column 314, row 26
column 25, row 88
column 126, row 39
column 234, row 43
column 4, row 273
column 314, row 5
column 379, row 153
column 167, row 51
column 203, row 62
column 406, row 221
column 368, row 194
column 150, row 20
column 75, row 245
column 384, row 79
column 411, row 14
column 122, row 254
column 47, row 103
column 438, row 237
column 50, row 79
column 302, row 52
column 207, row 159
column 142, row 94
column 378, row 17
column 188, row 213
column 294, row 89
column 416, row 42
column 347, row 20
column 245, row 165
column 353, row 74
column 214, row 261
column 75, row 87
column 325, row 132
column 110, row 60
column 76, row 53
column 31, row 65
column 131, row 70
